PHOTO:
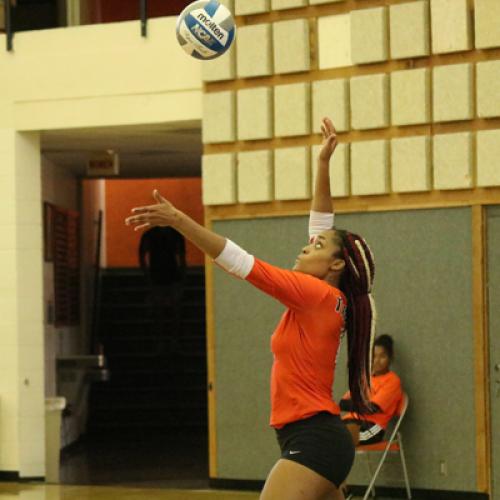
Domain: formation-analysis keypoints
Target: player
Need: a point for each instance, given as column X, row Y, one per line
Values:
column 327, row 292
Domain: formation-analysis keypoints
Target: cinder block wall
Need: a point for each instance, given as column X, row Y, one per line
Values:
column 412, row 87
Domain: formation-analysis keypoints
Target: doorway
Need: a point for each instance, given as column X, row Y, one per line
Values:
column 146, row 425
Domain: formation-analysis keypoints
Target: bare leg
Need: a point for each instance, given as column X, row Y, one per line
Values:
column 292, row 481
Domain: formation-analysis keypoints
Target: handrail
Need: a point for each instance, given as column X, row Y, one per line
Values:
column 143, row 6
column 8, row 25
column 9, row 29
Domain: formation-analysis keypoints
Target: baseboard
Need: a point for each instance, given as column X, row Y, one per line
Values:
column 7, row 476
column 417, row 493
column 235, row 484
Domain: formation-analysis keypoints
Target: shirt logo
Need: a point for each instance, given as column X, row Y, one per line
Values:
column 294, row 452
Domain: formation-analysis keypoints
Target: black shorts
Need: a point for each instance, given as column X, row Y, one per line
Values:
column 369, row 432
column 321, row 443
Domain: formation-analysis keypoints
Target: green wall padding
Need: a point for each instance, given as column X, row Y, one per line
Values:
column 493, row 218
column 423, row 289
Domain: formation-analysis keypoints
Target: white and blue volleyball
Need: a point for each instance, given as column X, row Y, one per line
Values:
column 205, row 29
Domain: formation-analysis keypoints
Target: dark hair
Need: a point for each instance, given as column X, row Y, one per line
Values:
column 387, row 343
column 356, row 283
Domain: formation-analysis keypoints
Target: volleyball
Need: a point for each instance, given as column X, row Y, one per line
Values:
column 205, row 29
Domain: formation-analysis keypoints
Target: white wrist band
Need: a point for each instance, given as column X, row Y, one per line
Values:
column 235, row 260
column 320, row 221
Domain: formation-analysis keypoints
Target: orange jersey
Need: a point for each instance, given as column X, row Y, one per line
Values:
column 386, row 393
column 304, row 344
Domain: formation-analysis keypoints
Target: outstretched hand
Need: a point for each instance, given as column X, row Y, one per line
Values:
column 329, row 139
column 161, row 214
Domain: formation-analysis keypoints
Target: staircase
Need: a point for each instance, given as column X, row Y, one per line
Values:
column 154, row 388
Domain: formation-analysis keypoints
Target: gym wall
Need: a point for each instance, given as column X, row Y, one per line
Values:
column 78, row 87
column 410, row 86
column 423, row 292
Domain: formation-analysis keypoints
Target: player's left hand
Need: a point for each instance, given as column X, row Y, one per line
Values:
column 329, row 139
column 161, row 214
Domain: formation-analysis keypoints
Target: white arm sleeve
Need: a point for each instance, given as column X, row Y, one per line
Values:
column 235, row 260
column 319, row 221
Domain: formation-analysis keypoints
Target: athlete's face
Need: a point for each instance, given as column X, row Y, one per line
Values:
column 320, row 258
column 381, row 361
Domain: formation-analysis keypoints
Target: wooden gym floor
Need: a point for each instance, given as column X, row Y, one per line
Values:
column 11, row 491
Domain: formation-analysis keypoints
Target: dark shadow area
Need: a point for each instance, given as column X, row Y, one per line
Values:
column 147, row 424
column 177, row 461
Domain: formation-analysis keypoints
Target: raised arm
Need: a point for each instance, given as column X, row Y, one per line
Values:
column 322, row 198
column 321, row 216
column 295, row 290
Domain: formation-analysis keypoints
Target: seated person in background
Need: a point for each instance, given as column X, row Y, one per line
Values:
column 386, row 394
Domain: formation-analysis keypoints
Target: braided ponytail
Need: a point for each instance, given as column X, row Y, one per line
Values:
column 357, row 283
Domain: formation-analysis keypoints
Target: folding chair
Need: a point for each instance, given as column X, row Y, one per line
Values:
column 393, row 445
